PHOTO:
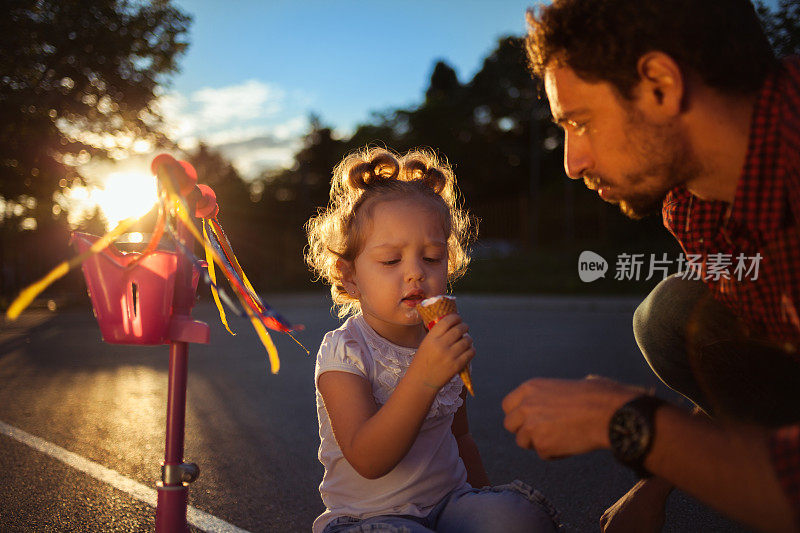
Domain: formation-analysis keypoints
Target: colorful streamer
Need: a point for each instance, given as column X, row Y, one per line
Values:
column 172, row 207
column 212, row 275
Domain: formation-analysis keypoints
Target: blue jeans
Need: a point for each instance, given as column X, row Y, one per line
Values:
column 699, row 348
column 511, row 508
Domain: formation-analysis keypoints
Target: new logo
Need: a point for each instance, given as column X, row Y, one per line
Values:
column 591, row 266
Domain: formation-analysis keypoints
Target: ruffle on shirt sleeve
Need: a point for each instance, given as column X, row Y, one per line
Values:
column 340, row 351
column 784, row 450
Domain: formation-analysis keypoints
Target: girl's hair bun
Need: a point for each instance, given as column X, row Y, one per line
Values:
column 416, row 169
column 435, row 179
column 383, row 166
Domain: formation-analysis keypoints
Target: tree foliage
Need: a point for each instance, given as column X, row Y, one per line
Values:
column 492, row 129
column 75, row 74
column 78, row 79
column 496, row 131
column 782, row 26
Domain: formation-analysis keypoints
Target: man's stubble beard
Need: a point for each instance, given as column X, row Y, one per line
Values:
column 666, row 160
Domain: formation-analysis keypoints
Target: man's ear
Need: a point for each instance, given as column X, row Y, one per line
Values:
column 347, row 274
column 662, row 86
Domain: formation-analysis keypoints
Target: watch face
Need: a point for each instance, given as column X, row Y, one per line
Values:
column 629, row 434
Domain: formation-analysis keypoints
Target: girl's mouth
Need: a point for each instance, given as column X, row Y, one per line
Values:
column 413, row 299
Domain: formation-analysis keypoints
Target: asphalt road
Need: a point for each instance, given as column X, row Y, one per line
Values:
column 254, row 434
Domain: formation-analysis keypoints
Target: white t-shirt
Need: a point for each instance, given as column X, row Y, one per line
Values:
column 430, row 470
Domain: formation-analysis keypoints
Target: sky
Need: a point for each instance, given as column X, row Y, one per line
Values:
column 255, row 70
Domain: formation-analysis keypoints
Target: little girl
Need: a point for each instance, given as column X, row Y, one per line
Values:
column 395, row 440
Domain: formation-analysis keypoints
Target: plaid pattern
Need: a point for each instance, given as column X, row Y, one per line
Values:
column 764, row 218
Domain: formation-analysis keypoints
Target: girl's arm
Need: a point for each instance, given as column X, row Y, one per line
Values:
column 375, row 440
column 467, row 449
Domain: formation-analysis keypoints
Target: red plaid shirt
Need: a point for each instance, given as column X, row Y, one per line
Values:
column 763, row 219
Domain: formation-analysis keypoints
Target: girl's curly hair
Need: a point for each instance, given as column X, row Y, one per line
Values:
column 365, row 178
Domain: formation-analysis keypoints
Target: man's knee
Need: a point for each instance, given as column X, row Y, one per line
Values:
column 659, row 326
column 642, row 324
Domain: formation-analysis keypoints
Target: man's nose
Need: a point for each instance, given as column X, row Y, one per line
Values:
column 577, row 156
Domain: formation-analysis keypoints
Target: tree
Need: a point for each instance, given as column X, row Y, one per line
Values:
column 782, row 26
column 74, row 75
column 214, row 170
column 314, row 164
column 444, row 83
column 78, row 79
column 507, row 154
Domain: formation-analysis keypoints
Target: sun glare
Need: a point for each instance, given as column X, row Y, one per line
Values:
column 120, row 195
column 126, row 194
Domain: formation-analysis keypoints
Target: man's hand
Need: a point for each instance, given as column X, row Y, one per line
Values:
column 559, row 418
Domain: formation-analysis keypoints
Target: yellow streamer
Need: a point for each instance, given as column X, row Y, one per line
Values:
column 183, row 215
column 261, row 330
column 223, row 241
column 212, row 275
column 266, row 340
column 33, row 290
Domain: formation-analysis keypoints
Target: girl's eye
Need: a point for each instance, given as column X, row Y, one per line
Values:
column 390, row 262
column 431, row 259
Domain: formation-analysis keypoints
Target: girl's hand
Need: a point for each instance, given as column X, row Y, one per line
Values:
column 444, row 352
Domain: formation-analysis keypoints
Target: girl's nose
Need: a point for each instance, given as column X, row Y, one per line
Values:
column 415, row 271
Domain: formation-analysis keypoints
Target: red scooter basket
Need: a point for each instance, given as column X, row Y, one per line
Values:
column 132, row 305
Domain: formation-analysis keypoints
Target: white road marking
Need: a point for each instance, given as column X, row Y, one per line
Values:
column 194, row 516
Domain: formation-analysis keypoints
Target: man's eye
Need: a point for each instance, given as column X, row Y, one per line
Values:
column 579, row 127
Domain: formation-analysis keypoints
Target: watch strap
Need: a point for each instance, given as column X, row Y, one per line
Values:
column 645, row 407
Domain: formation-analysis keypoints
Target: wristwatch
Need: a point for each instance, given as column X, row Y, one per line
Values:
column 631, row 431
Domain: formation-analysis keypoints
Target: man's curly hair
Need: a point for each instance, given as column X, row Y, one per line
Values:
column 720, row 41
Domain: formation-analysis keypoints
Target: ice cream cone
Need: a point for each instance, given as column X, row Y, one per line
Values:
column 434, row 309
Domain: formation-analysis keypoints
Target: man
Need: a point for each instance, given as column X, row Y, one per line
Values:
column 680, row 105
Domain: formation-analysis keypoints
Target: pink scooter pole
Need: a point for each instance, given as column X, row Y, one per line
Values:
column 131, row 299
column 175, row 474
column 173, row 487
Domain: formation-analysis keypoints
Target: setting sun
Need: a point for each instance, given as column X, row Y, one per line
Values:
column 122, row 195
column 126, row 194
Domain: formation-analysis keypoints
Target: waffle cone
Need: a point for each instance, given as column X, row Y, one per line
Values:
column 435, row 311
